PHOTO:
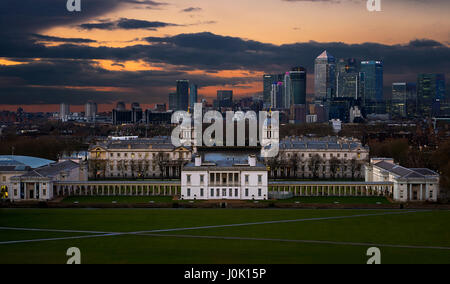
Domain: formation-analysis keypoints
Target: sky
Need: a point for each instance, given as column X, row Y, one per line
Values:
column 135, row 50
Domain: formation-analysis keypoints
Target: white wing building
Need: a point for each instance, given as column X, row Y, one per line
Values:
column 409, row 184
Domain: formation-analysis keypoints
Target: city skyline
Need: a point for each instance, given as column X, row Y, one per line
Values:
column 116, row 51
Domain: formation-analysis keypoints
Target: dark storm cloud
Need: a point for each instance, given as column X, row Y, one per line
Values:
column 76, row 81
column 125, row 24
column 23, row 16
column 45, row 38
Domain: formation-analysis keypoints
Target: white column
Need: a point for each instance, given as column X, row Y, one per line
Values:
column 421, row 192
column 410, row 192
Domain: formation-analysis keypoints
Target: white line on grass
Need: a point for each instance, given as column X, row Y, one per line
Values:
column 296, row 241
column 274, row 222
column 52, row 230
column 58, row 239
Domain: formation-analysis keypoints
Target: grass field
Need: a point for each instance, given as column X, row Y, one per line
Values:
column 223, row 236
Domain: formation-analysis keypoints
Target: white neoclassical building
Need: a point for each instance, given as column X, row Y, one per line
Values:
column 409, row 184
column 224, row 176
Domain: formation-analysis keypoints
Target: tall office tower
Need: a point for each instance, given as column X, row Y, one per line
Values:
column 287, row 92
column 277, row 95
column 430, row 93
column 268, row 80
column 193, row 95
column 90, row 111
column 173, row 102
column 298, row 86
column 398, row 106
column 372, row 79
column 348, row 79
column 64, row 111
column 121, row 106
column 325, row 76
column 182, row 95
column 224, row 99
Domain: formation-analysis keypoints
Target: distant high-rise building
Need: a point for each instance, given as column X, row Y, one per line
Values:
column 324, row 76
column 430, row 94
column 193, row 95
column 348, row 79
column 173, row 101
column 121, row 115
column 90, row 111
column 298, row 86
column 287, row 93
column 182, row 95
column 268, row 80
column 224, row 99
column 403, row 101
column 64, row 111
column 372, row 87
column 277, row 95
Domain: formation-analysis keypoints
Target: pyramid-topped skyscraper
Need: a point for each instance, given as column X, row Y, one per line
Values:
column 324, row 76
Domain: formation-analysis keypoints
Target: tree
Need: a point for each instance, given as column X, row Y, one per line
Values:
column 355, row 167
column 314, row 165
column 294, row 164
column 334, row 166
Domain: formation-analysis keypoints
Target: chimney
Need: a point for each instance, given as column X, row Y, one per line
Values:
column 198, row 161
column 252, row 160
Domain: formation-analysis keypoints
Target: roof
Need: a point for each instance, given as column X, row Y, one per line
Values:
column 405, row 172
column 323, row 143
column 51, row 170
column 226, row 161
column 160, row 142
column 21, row 162
column 325, row 55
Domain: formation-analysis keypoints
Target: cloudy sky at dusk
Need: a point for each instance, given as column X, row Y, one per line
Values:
column 135, row 50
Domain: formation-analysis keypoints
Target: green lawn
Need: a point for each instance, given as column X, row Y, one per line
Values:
column 119, row 199
column 210, row 245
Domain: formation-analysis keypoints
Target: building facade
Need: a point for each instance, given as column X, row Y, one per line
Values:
column 225, row 178
column 37, row 184
column 319, row 158
column 115, row 158
column 408, row 184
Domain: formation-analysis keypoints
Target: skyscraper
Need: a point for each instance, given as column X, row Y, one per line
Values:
column 398, row 107
column 372, row 92
column 324, row 76
column 182, row 95
column 287, row 92
column 64, row 111
column 193, row 95
column 298, row 86
column 277, row 95
column 348, row 79
column 224, row 99
column 90, row 111
column 268, row 80
column 173, row 101
column 430, row 93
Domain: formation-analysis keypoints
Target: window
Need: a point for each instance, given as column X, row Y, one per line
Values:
column 44, row 192
column 188, row 178
column 133, row 155
column 218, row 192
column 202, row 178
column 188, row 192
column 224, row 192
column 259, row 178
column 3, row 178
column 212, row 191
column 231, row 192
column 202, row 192
column 118, row 155
column 236, row 192
column 15, row 192
column 246, row 192
column 236, row 178
column 259, row 192
column 246, row 178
